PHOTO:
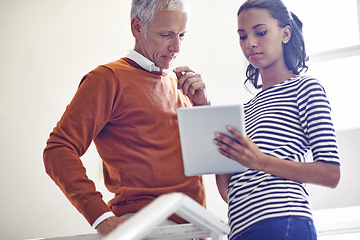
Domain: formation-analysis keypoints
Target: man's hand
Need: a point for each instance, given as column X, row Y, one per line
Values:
column 108, row 225
column 192, row 85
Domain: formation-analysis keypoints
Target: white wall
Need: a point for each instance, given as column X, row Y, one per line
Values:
column 46, row 46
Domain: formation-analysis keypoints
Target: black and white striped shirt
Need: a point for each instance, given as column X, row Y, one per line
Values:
column 290, row 121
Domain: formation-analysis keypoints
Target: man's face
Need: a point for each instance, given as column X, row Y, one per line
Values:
column 164, row 37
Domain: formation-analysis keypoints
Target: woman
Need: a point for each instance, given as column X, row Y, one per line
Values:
column 286, row 122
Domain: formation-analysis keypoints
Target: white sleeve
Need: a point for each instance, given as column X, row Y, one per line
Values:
column 102, row 218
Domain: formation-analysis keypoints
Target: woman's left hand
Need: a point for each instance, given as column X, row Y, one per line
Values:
column 240, row 148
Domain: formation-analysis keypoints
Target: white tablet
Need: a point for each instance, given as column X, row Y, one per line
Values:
column 197, row 126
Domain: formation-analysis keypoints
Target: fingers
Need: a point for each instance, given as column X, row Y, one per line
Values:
column 241, row 149
column 183, row 69
column 234, row 133
column 224, row 142
column 226, row 149
column 192, row 85
column 230, row 146
column 188, row 80
column 179, row 71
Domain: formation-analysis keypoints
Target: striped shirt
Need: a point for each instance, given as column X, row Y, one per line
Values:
column 290, row 121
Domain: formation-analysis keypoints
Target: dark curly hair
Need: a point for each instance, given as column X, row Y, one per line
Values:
column 294, row 51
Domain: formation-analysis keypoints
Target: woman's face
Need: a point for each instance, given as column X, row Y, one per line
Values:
column 261, row 38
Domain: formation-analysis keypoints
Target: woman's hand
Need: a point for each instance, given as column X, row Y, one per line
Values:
column 241, row 149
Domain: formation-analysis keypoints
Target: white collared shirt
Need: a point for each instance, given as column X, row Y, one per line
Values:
column 144, row 62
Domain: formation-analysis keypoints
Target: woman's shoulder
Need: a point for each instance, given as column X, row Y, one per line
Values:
column 305, row 82
column 304, row 79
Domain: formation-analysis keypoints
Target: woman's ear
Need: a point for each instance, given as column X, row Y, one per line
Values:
column 136, row 28
column 287, row 34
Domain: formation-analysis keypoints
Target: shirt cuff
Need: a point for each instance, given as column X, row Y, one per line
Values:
column 102, row 218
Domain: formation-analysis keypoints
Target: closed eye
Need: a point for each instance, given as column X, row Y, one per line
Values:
column 262, row 33
column 242, row 35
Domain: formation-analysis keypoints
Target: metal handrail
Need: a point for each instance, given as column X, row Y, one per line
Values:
column 143, row 224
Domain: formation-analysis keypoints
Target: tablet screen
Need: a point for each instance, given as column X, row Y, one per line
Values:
column 197, row 127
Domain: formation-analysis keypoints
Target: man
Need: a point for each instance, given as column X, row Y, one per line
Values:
column 128, row 108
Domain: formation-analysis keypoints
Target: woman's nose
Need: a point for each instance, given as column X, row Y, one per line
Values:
column 251, row 42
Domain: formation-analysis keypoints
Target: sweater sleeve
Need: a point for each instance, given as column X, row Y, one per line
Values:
column 83, row 119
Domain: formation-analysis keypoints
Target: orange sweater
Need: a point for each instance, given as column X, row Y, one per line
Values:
column 130, row 114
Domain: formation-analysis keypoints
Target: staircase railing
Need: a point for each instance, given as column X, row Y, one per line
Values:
column 145, row 223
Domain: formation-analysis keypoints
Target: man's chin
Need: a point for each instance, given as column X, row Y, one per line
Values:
column 167, row 63
column 165, row 66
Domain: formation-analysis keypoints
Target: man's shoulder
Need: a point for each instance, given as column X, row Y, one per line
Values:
column 121, row 64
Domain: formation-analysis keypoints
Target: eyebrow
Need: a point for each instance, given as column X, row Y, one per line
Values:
column 172, row 32
column 254, row 27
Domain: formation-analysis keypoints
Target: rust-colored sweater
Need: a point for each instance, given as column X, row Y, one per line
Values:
column 130, row 114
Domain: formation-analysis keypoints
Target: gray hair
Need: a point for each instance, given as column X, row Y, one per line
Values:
column 145, row 10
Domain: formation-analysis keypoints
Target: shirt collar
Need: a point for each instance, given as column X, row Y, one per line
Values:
column 144, row 62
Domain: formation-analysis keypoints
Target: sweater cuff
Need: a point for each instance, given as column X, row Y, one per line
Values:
column 93, row 209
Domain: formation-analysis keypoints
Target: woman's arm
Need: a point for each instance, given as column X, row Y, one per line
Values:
column 222, row 182
column 319, row 173
column 249, row 155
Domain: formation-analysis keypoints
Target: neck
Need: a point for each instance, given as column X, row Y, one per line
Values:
column 273, row 76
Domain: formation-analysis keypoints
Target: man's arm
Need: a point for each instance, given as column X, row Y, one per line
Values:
column 84, row 117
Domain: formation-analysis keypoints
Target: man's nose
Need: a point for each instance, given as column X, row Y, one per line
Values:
column 175, row 44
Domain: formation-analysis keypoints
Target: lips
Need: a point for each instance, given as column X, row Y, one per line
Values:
column 253, row 54
column 169, row 57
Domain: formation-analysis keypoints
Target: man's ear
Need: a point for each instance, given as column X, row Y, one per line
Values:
column 137, row 28
column 287, row 34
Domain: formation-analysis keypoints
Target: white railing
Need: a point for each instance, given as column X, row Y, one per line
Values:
column 145, row 223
